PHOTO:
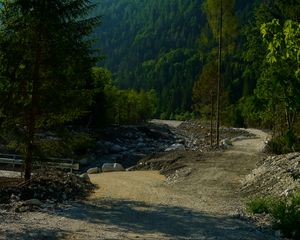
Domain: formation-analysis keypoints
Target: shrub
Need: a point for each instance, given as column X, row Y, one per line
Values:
column 286, row 213
column 81, row 143
column 68, row 145
column 283, row 144
column 259, row 205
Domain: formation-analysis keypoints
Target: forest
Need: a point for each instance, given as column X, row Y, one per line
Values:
column 171, row 48
column 93, row 64
column 87, row 92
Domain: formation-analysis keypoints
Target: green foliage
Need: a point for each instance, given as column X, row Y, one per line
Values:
column 283, row 42
column 279, row 84
column 205, row 88
column 204, row 91
column 153, row 45
column 252, row 110
column 178, row 116
column 260, row 205
column 67, row 144
column 185, row 116
column 270, row 83
column 134, row 107
column 80, row 144
column 286, row 212
column 120, row 106
column 45, row 62
column 230, row 25
column 45, row 67
column 284, row 143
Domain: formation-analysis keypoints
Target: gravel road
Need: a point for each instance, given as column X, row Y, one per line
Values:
column 142, row 205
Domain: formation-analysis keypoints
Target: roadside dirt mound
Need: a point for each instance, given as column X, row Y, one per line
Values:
column 48, row 184
column 274, row 175
column 197, row 135
column 165, row 162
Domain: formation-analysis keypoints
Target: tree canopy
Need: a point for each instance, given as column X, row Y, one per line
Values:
column 45, row 67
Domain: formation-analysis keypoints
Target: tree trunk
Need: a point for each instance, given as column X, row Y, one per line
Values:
column 219, row 75
column 32, row 114
column 211, row 118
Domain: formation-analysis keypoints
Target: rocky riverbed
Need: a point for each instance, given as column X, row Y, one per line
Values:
column 128, row 145
column 145, row 147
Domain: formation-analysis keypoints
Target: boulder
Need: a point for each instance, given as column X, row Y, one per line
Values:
column 176, row 146
column 116, row 149
column 85, row 177
column 93, row 170
column 112, row 167
column 226, row 142
column 141, row 145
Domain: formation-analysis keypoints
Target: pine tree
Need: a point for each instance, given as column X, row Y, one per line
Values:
column 45, row 67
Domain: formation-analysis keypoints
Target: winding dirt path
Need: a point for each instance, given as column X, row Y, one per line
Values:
column 204, row 205
column 141, row 205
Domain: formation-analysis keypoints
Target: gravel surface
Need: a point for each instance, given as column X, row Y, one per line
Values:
column 202, row 202
column 275, row 175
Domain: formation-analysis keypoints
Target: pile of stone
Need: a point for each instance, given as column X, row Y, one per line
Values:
column 48, row 186
column 196, row 135
column 128, row 144
column 276, row 175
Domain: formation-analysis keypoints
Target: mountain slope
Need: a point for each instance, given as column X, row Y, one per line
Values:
column 152, row 44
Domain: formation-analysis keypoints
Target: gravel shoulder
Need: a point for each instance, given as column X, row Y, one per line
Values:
column 204, row 204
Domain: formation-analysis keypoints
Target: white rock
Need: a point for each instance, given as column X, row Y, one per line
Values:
column 176, row 146
column 226, row 142
column 93, row 170
column 112, row 167
column 85, row 176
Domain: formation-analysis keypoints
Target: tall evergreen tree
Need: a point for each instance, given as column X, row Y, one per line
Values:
column 45, row 67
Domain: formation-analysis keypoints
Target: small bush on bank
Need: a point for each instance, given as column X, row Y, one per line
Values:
column 285, row 143
column 259, row 205
column 286, row 213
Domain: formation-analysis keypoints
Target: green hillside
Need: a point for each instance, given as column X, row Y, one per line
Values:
column 152, row 45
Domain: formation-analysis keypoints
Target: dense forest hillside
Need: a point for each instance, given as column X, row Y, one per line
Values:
column 152, row 45
column 172, row 47
column 157, row 45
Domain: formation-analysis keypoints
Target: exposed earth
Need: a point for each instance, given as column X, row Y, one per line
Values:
column 197, row 198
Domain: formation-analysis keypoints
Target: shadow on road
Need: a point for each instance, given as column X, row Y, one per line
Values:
column 169, row 221
column 34, row 233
